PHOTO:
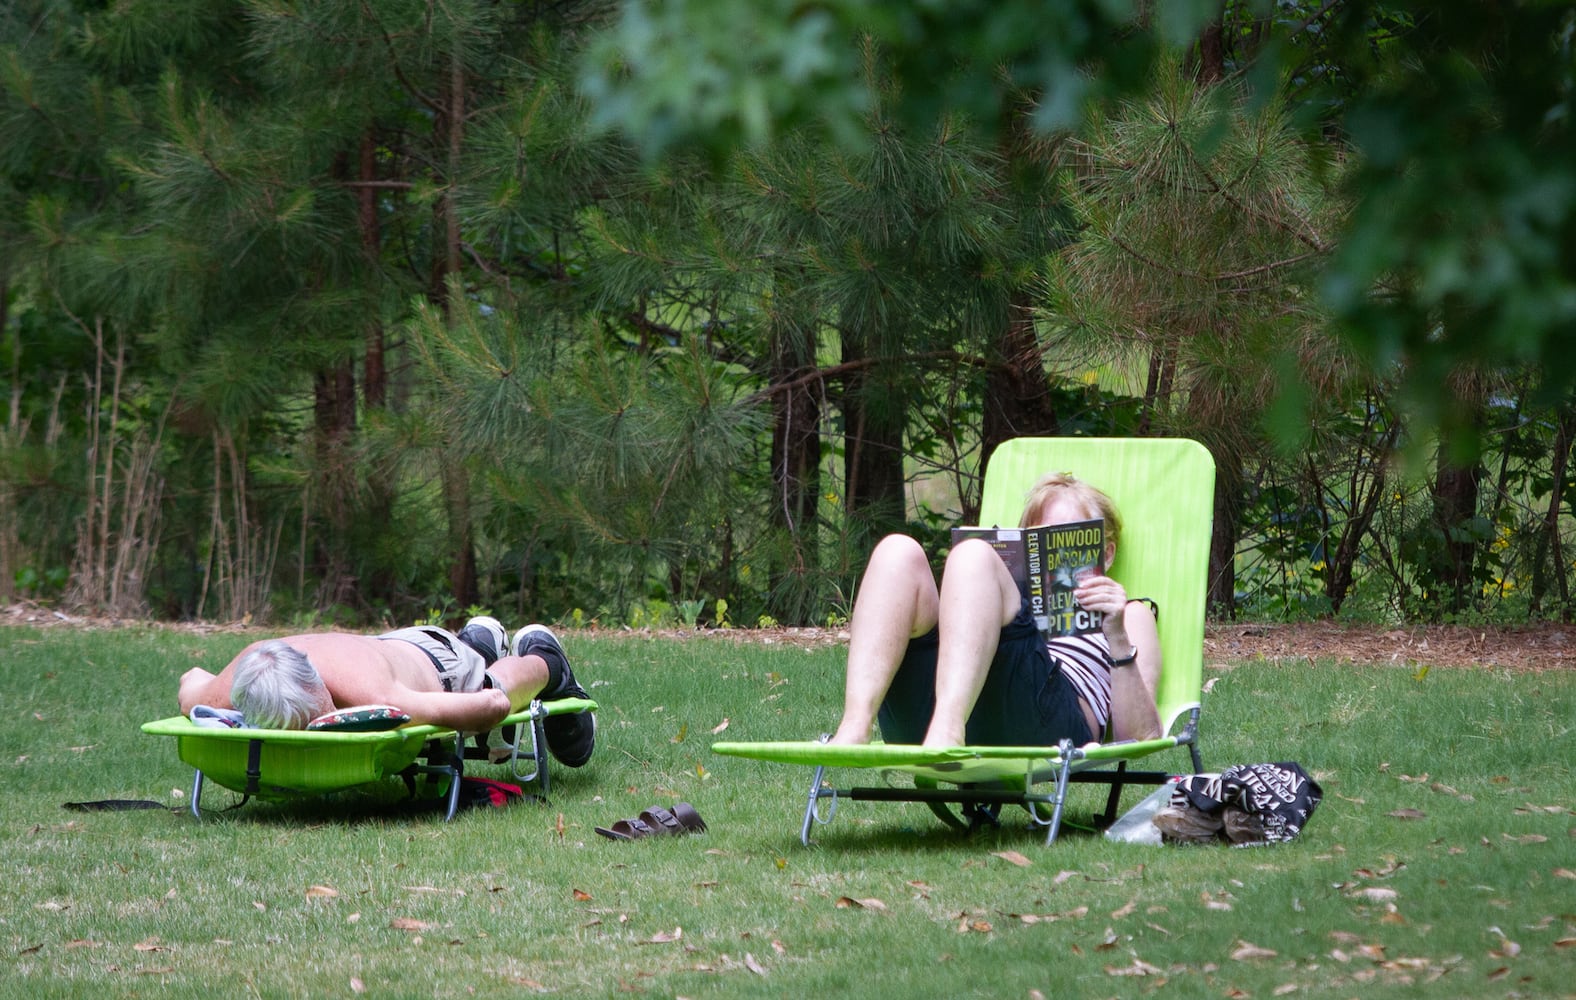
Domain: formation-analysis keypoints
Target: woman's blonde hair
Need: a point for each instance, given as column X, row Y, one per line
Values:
column 1093, row 500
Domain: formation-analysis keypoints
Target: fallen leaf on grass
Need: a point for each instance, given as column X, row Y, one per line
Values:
column 977, row 925
column 1076, row 913
column 1526, row 838
column 1507, row 948
column 528, row 983
column 779, row 947
column 410, row 924
column 150, row 944
column 83, row 943
column 1374, row 893
column 1213, row 901
column 1390, row 867
column 356, row 985
column 1564, row 873
column 1561, row 943
column 321, row 892
column 581, row 896
column 1124, row 911
column 1529, row 808
column 679, row 736
column 719, row 727
column 1408, row 814
column 1013, row 857
column 1246, row 950
column 1285, row 989
column 1062, row 876
column 1138, row 968
column 666, row 937
column 754, row 966
column 868, row 903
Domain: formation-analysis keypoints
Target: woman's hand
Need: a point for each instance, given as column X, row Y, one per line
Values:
column 1103, row 594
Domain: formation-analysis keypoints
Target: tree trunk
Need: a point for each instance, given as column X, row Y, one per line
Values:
column 1549, row 541
column 1018, row 399
column 1455, row 499
column 334, row 426
column 379, row 505
column 374, row 371
column 1455, row 492
column 873, row 417
column 1229, row 502
column 448, row 128
column 796, row 459
column 1209, row 62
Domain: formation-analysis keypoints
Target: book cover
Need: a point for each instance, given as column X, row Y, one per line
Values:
column 1047, row 561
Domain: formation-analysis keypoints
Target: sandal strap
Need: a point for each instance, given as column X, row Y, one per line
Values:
column 658, row 816
column 689, row 817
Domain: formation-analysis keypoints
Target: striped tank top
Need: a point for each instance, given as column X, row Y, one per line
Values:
column 1086, row 662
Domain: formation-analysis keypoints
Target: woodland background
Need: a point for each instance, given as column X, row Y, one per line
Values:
column 658, row 314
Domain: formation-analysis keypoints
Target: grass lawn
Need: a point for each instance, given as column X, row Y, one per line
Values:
column 1441, row 862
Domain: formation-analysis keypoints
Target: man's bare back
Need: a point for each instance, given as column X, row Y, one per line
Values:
column 365, row 670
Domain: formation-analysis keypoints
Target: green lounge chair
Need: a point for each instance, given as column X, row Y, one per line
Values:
column 282, row 764
column 1164, row 488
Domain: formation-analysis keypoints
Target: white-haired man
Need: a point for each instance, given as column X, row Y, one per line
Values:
column 465, row 681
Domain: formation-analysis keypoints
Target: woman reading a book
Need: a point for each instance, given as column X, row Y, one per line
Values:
column 965, row 663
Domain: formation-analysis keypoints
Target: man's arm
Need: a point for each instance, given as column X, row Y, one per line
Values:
column 468, row 712
column 202, row 687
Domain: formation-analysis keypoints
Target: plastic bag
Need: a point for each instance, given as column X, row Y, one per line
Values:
column 1137, row 826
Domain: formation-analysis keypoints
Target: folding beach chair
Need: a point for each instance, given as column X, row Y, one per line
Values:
column 283, row 764
column 1164, row 488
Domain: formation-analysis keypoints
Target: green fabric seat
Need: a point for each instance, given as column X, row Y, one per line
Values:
column 1164, row 488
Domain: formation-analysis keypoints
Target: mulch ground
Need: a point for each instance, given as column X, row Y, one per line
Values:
column 1532, row 647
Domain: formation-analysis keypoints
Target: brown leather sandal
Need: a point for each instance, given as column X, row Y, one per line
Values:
column 657, row 821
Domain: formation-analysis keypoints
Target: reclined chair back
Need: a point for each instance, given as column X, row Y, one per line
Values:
column 1164, row 489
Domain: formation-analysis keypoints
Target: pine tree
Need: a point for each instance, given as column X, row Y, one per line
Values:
column 1201, row 221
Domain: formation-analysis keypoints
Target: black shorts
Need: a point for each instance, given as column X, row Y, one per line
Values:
column 1025, row 701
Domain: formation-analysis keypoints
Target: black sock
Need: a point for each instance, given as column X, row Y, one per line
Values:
column 555, row 677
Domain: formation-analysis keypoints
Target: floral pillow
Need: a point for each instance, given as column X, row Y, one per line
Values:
column 359, row 719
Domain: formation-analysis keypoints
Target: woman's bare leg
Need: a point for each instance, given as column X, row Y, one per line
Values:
column 978, row 597
column 897, row 600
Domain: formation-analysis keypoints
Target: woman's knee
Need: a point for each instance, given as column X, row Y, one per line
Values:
column 899, row 553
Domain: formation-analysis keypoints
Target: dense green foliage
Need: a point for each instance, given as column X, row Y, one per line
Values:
column 659, row 313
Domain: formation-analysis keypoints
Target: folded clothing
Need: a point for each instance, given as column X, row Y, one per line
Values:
column 217, row 718
column 1244, row 804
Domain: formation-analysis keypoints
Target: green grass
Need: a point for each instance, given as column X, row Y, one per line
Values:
column 1450, row 794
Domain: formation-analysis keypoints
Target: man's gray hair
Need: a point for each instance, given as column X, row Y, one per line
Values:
column 276, row 687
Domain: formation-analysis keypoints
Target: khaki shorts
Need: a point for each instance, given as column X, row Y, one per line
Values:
column 459, row 667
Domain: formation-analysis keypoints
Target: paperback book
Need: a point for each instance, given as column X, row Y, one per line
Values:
column 1048, row 561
